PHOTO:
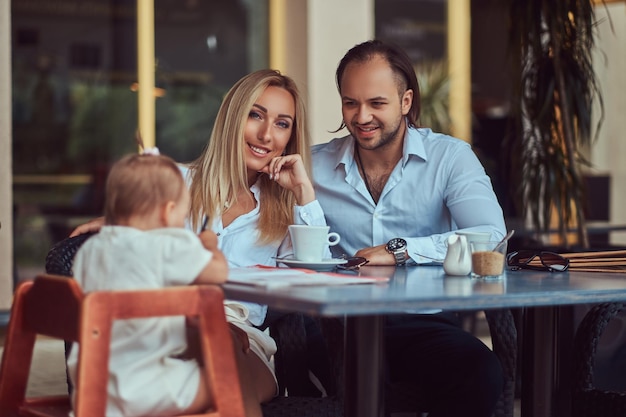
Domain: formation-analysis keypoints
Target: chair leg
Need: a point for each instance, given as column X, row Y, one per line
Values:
column 16, row 358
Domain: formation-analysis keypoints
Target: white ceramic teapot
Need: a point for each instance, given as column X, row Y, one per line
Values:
column 458, row 259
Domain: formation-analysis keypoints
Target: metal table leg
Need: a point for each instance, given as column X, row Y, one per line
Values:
column 539, row 366
column 364, row 366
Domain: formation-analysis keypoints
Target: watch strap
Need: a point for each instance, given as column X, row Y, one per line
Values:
column 400, row 256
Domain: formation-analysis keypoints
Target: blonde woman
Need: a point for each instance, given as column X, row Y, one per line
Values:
column 248, row 185
column 251, row 182
column 255, row 167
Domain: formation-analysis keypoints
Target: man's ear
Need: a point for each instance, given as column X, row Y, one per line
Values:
column 407, row 101
column 166, row 213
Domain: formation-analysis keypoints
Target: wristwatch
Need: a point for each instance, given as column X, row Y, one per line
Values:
column 397, row 247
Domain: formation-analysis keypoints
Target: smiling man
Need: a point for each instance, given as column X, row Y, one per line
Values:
column 395, row 192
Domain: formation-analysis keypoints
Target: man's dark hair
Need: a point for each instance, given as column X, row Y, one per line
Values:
column 399, row 62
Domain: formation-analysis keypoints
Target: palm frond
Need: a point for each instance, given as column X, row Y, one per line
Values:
column 551, row 44
column 434, row 84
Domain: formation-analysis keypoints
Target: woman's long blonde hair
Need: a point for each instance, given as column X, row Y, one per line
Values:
column 220, row 171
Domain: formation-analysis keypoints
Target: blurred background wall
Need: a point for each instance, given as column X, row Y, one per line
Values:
column 68, row 104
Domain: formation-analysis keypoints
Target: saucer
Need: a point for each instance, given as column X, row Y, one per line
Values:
column 324, row 265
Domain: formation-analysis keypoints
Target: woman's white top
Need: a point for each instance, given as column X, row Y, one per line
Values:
column 240, row 244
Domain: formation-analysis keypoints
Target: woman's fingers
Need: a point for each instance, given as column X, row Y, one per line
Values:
column 289, row 172
column 288, row 164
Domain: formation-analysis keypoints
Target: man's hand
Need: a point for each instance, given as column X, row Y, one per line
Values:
column 377, row 255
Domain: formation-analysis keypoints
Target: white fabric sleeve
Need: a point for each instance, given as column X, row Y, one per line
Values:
column 184, row 257
column 310, row 214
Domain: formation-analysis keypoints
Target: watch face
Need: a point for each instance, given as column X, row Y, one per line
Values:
column 395, row 244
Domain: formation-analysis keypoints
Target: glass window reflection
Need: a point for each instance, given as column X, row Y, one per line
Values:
column 74, row 88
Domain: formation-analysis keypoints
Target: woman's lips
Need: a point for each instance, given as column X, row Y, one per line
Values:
column 258, row 150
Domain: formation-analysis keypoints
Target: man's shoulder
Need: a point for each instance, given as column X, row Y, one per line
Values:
column 433, row 138
column 439, row 145
column 329, row 147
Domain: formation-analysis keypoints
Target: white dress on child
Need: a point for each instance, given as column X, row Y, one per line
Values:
column 144, row 377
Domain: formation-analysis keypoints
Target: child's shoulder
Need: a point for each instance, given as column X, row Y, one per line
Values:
column 174, row 239
column 172, row 233
column 122, row 236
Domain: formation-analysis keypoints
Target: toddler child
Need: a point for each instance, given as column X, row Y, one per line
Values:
column 144, row 245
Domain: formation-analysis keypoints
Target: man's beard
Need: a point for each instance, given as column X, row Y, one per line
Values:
column 386, row 136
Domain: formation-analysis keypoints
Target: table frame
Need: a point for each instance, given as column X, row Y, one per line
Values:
column 544, row 297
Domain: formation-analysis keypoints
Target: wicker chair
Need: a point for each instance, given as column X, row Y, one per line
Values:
column 587, row 399
column 504, row 340
column 290, row 359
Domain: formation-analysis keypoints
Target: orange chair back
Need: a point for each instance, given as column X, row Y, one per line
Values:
column 55, row 306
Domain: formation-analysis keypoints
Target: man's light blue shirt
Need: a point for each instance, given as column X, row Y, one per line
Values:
column 438, row 186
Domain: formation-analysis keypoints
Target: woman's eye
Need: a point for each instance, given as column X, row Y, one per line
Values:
column 254, row 115
column 283, row 124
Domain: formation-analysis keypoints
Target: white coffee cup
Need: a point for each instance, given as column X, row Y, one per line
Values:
column 309, row 241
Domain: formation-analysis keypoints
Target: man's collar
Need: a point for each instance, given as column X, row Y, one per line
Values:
column 413, row 145
column 346, row 153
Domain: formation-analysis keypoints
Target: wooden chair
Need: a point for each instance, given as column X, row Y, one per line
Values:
column 295, row 398
column 55, row 306
column 587, row 399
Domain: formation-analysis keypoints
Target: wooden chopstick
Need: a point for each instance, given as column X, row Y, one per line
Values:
column 574, row 255
column 596, row 263
column 619, row 271
column 601, row 261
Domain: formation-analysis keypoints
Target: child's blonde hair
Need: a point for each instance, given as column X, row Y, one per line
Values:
column 137, row 184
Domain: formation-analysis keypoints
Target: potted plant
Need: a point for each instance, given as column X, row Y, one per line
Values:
column 555, row 85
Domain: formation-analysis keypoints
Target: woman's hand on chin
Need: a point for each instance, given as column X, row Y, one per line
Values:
column 289, row 172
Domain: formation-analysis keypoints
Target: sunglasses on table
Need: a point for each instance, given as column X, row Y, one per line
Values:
column 548, row 261
column 353, row 263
